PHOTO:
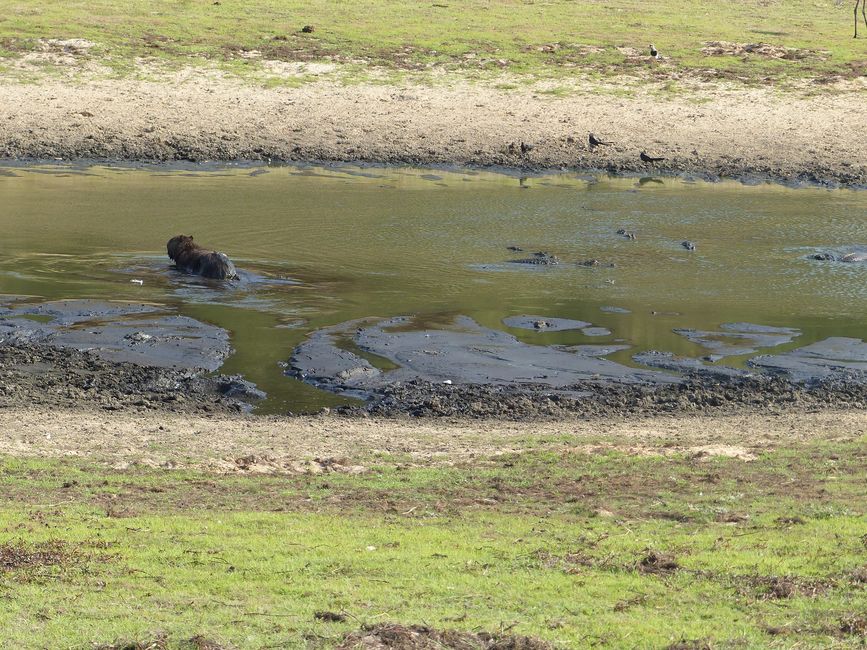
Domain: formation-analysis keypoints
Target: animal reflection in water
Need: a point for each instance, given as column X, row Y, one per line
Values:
column 191, row 257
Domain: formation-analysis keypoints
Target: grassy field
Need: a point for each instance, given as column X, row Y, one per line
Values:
column 581, row 550
column 476, row 38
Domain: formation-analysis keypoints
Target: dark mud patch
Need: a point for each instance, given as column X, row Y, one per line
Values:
column 854, row 625
column 115, row 331
column 466, row 370
column 40, row 374
column 739, row 338
column 835, row 356
column 419, row 637
column 53, row 559
column 762, row 50
column 592, row 399
column 658, row 563
column 676, row 363
column 162, row 642
column 775, row 587
column 462, row 353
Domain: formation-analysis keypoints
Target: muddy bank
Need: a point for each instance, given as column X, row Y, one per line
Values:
column 34, row 374
column 466, row 370
column 713, row 132
column 535, row 402
column 117, row 331
column 115, row 355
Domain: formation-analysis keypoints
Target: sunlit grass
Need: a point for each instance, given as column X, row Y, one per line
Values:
column 768, row 553
column 557, row 38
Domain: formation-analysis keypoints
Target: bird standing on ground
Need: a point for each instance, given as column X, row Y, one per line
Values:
column 526, row 148
column 649, row 159
column 654, row 52
column 596, row 142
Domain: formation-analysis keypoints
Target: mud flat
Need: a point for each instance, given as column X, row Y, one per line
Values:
column 471, row 371
column 114, row 355
column 118, row 331
column 834, row 356
column 466, row 354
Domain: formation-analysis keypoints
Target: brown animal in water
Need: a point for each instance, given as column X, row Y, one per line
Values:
column 190, row 257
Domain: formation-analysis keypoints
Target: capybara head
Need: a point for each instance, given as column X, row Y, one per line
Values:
column 179, row 244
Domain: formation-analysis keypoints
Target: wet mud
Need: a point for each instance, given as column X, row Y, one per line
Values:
column 739, row 338
column 468, row 370
column 117, row 331
column 833, row 357
column 37, row 374
column 115, row 355
column 465, row 354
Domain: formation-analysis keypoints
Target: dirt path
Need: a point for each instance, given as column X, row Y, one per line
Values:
column 711, row 131
column 264, row 444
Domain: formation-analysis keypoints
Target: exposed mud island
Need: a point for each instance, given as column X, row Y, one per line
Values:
column 118, row 356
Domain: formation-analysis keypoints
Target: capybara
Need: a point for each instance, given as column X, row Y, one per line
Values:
column 190, row 257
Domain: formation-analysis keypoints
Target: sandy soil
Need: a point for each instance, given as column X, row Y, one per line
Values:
column 264, row 445
column 712, row 131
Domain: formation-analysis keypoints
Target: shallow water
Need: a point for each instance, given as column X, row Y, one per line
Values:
column 319, row 246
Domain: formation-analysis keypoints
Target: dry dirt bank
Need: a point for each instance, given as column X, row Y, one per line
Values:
column 712, row 131
column 264, row 444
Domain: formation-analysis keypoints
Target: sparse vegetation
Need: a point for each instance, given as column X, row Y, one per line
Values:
column 748, row 41
column 604, row 548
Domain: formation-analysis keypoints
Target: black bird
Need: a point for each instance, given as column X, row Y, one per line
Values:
column 526, row 148
column 596, row 142
column 649, row 159
column 688, row 245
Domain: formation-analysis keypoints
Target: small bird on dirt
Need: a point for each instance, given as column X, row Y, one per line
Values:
column 308, row 29
column 526, row 148
column 654, row 52
column 596, row 142
column 649, row 159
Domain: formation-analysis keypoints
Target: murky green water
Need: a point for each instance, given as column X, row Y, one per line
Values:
column 324, row 245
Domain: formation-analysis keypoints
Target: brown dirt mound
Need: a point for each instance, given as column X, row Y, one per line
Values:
column 161, row 642
column 854, row 625
column 417, row 637
column 655, row 562
column 19, row 555
column 726, row 48
column 51, row 559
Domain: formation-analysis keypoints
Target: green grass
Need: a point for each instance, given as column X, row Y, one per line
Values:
column 553, row 544
column 475, row 38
